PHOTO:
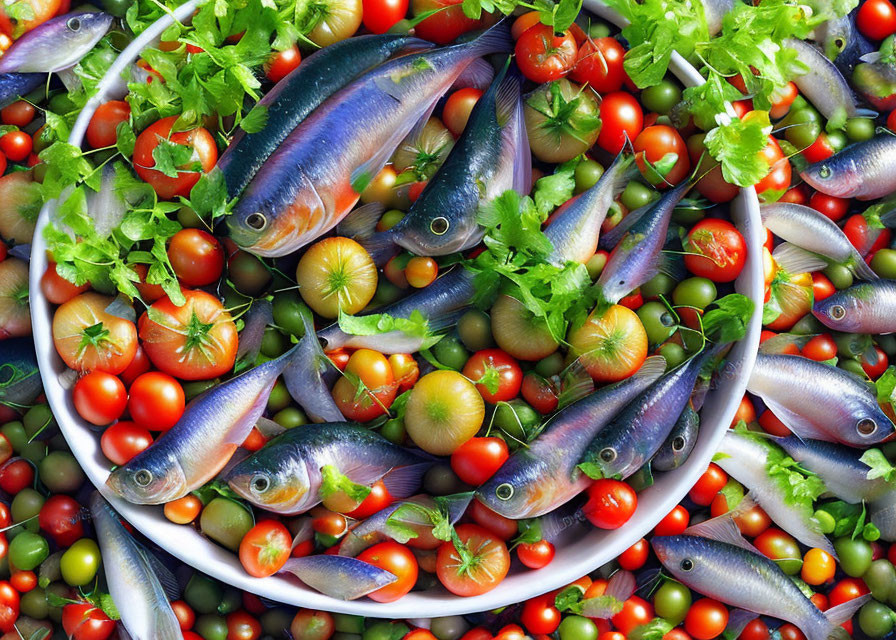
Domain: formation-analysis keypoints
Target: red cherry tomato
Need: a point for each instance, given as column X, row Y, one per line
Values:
column 720, row 249
column 381, row 15
column 821, row 347
column 599, row 64
column 16, row 145
column 187, row 175
column 282, row 63
column 15, row 475
column 539, row 615
column 99, row 397
column 611, row 503
column 635, row 556
column 543, row 55
column 539, row 392
column 706, row 619
column 675, row 522
column 156, row 401
column 18, row 114
column 622, row 119
column 196, row 257
column 497, row 375
column 635, row 612
column 477, row 459
column 876, row 19
column 61, row 517
column 709, row 484
column 484, row 566
column 265, row 548
column 84, row 621
column 834, row 208
column 458, row 107
column 536, row 555
column 396, row 559
column 124, row 440
column 102, row 131
column 654, row 144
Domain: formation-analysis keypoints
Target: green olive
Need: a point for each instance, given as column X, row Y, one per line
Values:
column 855, row 555
column 451, row 353
column 290, row 418
column 80, row 562
column 60, row 472
column 587, row 173
column 226, row 522
column 203, row 594
column 475, row 330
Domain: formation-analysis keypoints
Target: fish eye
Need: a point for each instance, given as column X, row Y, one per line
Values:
column 73, row 24
column 608, row 454
column 260, row 483
column 504, row 491
column 824, row 172
column 143, row 477
column 866, row 426
column 686, row 564
column 439, row 226
column 837, row 312
column 677, row 443
column 257, row 221
column 839, row 43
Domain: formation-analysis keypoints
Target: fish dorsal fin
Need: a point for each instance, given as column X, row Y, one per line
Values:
column 268, row 428
column 361, row 222
column 402, row 482
column 163, row 573
column 478, row 74
column 621, row 585
column 509, row 113
column 723, row 528
column 794, row 259
column 652, row 368
column 776, row 345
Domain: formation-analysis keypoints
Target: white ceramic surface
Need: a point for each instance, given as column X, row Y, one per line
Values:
column 572, row 560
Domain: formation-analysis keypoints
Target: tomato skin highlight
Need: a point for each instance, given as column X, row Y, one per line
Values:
column 477, row 460
column 156, row 401
column 876, row 19
column 381, row 15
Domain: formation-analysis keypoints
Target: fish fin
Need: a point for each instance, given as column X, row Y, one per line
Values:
column 621, row 585
column 509, row 109
column 866, row 113
column 738, row 620
column 723, row 528
column 801, row 427
column 861, row 269
column 652, row 368
column 478, row 74
column 268, row 428
column 495, row 39
column 794, row 259
column 402, row 482
column 871, row 57
column 166, row 578
column 339, row 577
column 613, row 237
column 836, row 616
column 259, row 316
column 456, row 504
column 576, row 383
column 361, row 223
column 303, row 377
column 672, row 264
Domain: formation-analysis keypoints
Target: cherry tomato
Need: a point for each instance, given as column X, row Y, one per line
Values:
column 524, row 23
column 876, row 369
column 102, row 131
column 183, row 510
column 818, row 567
column 15, row 475
column 539, row 615
column 477, row 460
column 622, row 119
column 282, row 63
column 497, row 375
column 23, row 581
column 18, row 114
column 863, row 237
column 543, row 55
column 674, row 523
column 611, row 503
column 377, row 500
column 536, row 555
column 265, row 549
column 845, row 590
column 187, row 174
column 652, row 145
column 635, row 612
column 399, row 561
column 421, row 271
column 372, row 369
column 61, row 518
column 9, row 606
column 99, row 397
column 504, row 528
column 381, row 15
column 457, row 108
column 833, row 207
column 445, row 25
column 186, row 617
column 539, row 392
column 720, row 248
column 16, row 145
column 876, row 19
column 777, row 180
column 635, row 556
column 139, row 365
column 490, row 562
column 84, row 621
column 756, row 629
column 196, row 257
column 709, row 484
column 405, row 370
column 821, row 347
column 599, row 64
column 706, row 619
column 124, row 440
column 821, row 286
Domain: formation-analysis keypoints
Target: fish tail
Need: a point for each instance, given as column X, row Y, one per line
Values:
column 829, row 627
column 794, row 259
column 861, row 269
column 496, row 39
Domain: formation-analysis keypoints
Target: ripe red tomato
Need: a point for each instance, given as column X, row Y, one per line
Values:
column 539, row 615
column 821, row 286
column 864, row 238
column 539, row 392
column 15, row 475
column 16, row 145
column 709, row 484
column 139, row 365
column 635, row 556
column 23, row 581
column 611, row 503
column 102, row 131
column 282, row 63
column 377, row 500
column 622, row 118
column 599, row 64
column 18, row 114
column 124, row 440
column 186, row 174
column 99, row 397
column 265, row 548
column 61, row 517
column 536, row 555
column 755, row 630
column 196, row 257
column 876, row 369
column 399, row 561
column 543, row 55
column 477, row 459
column 446, row 25
column 373, row 370
column 821, row 149
column 504, row 528
column 706, row 619
column 777, row 180
column 655, row 143
column 821, row 347
column 833, row 207
column 674, row 523
column 9, row 606
column 497, row 375
column 83, row 621
column 381, row 15
column 635, row 612
column 457, row 109
column 876, row 19
column 490, row 562
column 721, row 250
column 156, row 401
column 185, row 615
column 846, row 590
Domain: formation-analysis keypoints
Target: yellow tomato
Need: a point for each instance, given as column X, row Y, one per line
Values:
column 444, row 410
column 611, row 344
column 336, row 274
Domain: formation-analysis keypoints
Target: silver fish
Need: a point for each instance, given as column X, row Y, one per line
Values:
column 680, row 443
column 339, row 577
column 867, row 307
column 864, row 170
column 842, row 42
column 20, row 380
column 819, row 401
column 58, row 43
column 138, row 582
column 813, row 241
column 539, row 478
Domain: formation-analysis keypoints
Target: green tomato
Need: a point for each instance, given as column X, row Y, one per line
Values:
column 550, row 365
column 826, row 521
column 382, row 630
column 659, row 285
column 516, row 418
column 840, row 276
column 451, row 353
column 249, row 275
column 203, row 594
column 587, row 173
column 211, row 627
column 27, row 550
column 440, row 480
column 661, row 97
column 60, row 472
column 672, row 601
column 853, row 366
column 193, row 388
column 880, row 578
column 15, row 433
column 673, row 353
column 391, row 218
column 598, row 29
column 859, row 129
column 80, row 562
column 38, row 419
column 658, row 322
column 475, row 330
column 807, row 325
column 448, row 627
column 290, row 418
column 394, row 430
column 803, row 127
column 230, row 601
column 226, row 522
column 884, row 263
column 875, row 619
column 595, row 265
column 275, row 621
column 287, row 311
column 279, row 398
column 34, row 452
column 837, row 140
column 25, row 507
column 348, row 623
column 855, row 555
column 577, row 628
column 694, row 292
column 274, row 343
column 636, row 195
column 688, row 215
column 34, row 604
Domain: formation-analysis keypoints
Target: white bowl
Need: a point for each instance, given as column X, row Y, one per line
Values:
column 571, row 562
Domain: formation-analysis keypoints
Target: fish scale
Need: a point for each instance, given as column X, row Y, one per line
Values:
column 863, row 170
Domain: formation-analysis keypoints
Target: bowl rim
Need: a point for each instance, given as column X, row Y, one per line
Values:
column 588, row 553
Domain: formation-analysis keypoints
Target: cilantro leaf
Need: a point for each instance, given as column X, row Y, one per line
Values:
column 878, row 466
column 553, row 190
column 171, row 158
column 728, row 319
column 736, row 144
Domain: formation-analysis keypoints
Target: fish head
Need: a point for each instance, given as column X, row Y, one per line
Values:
column 82, row 28
column 149, row 479
column 520, row 487
column 269, row 485
column 836, row 176
column 845, row 310
column 687, row 558
column 870, row 425
column 606, row 459
column 429, row 229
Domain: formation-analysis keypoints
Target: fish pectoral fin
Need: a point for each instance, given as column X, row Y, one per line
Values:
column 361, row 222
column 478, row 74
column 794, row 259
column 405, row 481
column 723, row 528
column 166, row 578
column 802, row 428
column 304, row 381
column 738, row 620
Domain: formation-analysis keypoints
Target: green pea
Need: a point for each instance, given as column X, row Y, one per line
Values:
column 855, row 556
column 859, row 129
column 391, row 218
column 577, row 628
column 673, row 353
column 288, row 310
column 672, row 601
column 803, row 127
column 279, row 398
column 875, row 619
column 826, row 521
column 475, row 330
column 382, row 630
column 80, row 562
column 211, row 627
column 290, row 418
column 587, row 173
column 248, row 274
column 661, row 97
column 658, row 322
column 60, row 472
column 880, row 578
column 15, row 433
column 516, row 418
column 840, row 276
column 348, row 623
column 659, row 285
column 550, row 365
column 884, row 263
column 38, row 419
column 694, row 292
column 34, row 604
column 636, row 195
column 25, row 507
column 451, row 353
column 226, row 522
column 394, row 431
column 448, row 627
column 203, row 594
column 27, row 550
column 595, row 265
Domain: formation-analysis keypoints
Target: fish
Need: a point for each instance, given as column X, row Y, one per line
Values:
column 875, row 81
column 812, row 240
column 732, row 572
column 680, row 443
column 538, row 478
column 285, row 475
column 137, row 580
column 490, row 156
column 638, row 432
column 293, row 98
column 816, row 400
column 315, row 177
column 574, row 231
column 376, row 528
column 745, row 460
column 842, row 42
column 20, row 382
column 214, row 424
column 867, row 307
column 439, row 303
column 58, row 43
column 638, row 256
column 823, row 85
column 341, row 577
column 863, row 170
column 15, row 85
